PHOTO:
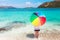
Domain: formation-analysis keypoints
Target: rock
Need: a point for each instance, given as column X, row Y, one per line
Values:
column 52, row 4
column 2, row 29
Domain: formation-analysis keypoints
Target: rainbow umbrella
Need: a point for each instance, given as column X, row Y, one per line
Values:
column 38, row 19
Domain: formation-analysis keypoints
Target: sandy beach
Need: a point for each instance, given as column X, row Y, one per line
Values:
column 27, row 32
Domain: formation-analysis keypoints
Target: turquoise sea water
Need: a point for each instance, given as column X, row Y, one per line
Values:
column 10, row 15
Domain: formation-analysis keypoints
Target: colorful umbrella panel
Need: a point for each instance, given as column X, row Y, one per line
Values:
column 38, row 19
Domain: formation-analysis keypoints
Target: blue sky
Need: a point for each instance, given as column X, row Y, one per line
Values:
column 22, row 3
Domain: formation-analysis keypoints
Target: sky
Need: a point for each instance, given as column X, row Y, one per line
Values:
column 22, row 3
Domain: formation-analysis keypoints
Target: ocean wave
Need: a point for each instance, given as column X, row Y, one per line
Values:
column 14, row 24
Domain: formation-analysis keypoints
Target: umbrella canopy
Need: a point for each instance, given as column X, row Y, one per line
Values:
column 38, row 19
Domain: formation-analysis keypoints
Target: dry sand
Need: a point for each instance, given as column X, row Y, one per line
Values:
column 26, row 33
column 16, row 35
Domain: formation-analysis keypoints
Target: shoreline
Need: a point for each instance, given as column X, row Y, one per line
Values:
column 27, row 33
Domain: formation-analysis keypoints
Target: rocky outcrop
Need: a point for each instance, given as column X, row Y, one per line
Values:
column 53, row 4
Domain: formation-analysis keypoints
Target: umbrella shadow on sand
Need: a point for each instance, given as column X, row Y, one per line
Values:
column 30, row 35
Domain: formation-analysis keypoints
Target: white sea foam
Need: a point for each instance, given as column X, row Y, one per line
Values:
column 3, row 24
